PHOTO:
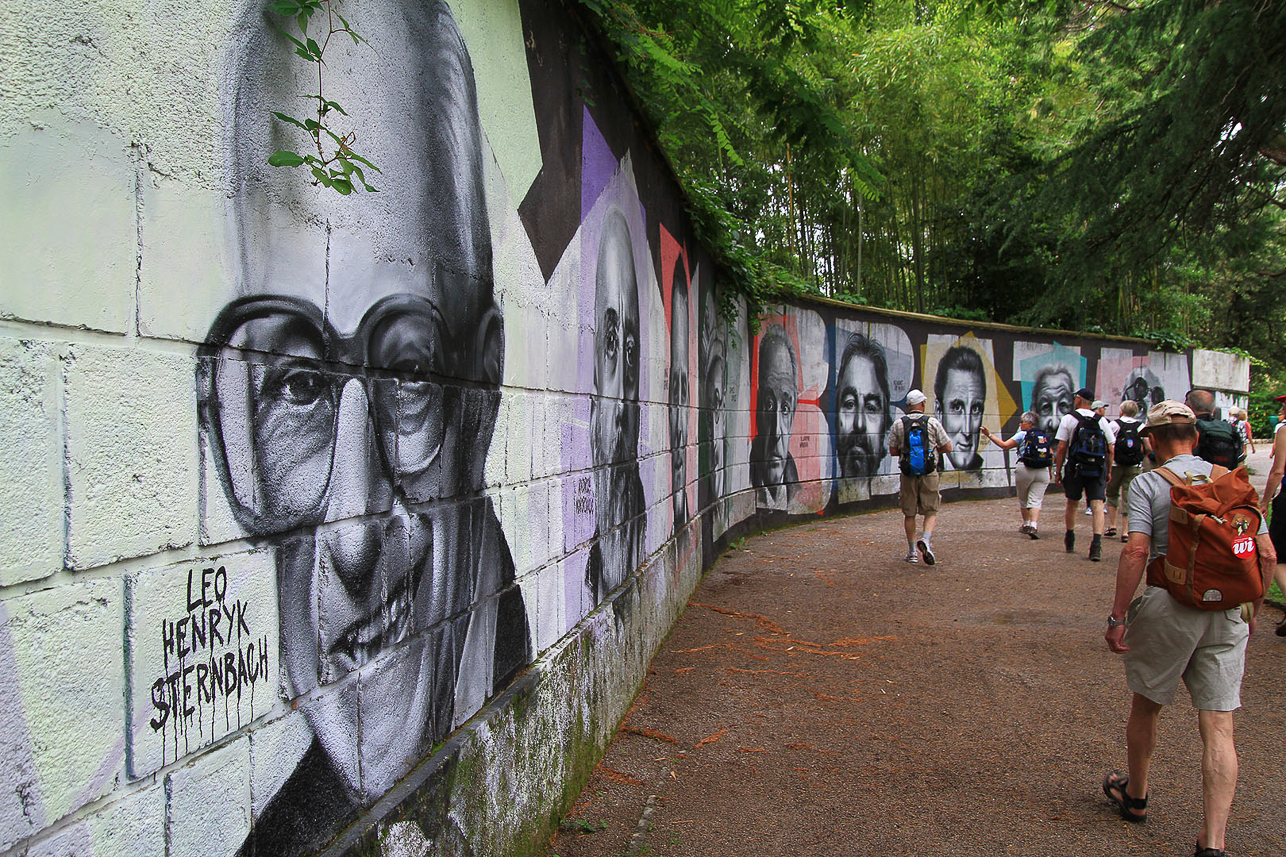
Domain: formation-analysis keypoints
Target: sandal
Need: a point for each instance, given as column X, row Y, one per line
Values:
column 1114, row 786
column 1124, row 537
column 1111, row 531
column 1209, row 852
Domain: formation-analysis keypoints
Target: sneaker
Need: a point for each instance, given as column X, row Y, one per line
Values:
column 1025, row 529
column 1032, row 532
column 1069, row 541
column 912, row 556
column 1096, row 550
column 926, row 550
column 1089, row 511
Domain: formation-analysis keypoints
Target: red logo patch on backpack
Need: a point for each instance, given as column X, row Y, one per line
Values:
column 1212, row 563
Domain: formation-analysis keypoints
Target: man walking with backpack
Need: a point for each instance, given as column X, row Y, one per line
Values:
column 1127, row 463
column 1085, row 446
column 1186, row 628
column 1217, row 441
column 919, row 442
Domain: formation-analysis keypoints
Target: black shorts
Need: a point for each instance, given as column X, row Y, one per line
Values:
column 1277, row 529
column 1075, row 485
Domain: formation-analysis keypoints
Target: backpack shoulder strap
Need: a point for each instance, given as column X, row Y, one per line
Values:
column 1170, row 476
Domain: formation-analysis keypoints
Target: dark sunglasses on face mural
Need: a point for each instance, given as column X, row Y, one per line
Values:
column 273, row 375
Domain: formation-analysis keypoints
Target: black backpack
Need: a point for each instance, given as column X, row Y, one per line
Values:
column 1218, row 443
column 1129, row 446
column 1037, row 451
column 1087, row 452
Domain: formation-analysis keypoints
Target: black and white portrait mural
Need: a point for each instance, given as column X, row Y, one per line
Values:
column 1142, row 379
column 348, row 394
column 713, row 422
column 790, row 449
column 676, row 288
column 1049, row 374
column 966, row 389
column 874, row 365
column 614, row 254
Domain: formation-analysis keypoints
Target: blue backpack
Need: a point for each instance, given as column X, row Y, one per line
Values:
column 917, row 457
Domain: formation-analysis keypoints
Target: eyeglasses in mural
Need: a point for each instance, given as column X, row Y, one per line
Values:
column 348, row 394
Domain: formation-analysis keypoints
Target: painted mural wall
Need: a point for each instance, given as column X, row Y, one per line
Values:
column 352, row 522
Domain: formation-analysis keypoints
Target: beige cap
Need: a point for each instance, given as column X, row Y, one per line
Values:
column 915, row 397
column 1168, row 413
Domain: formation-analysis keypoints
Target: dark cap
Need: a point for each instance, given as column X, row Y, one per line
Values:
column 1085, row 393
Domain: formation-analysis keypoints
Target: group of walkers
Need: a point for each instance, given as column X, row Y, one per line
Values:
column 1205, row 579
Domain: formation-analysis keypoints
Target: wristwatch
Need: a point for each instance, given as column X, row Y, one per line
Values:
column 1113, row 622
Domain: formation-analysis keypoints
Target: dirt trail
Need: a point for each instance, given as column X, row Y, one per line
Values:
column 820, row 696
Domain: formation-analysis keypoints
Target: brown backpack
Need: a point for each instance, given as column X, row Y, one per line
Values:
column 1213, row 561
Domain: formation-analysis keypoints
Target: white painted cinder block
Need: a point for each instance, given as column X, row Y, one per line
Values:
column 68, row 236
column 203, row 654
column 208, row 803
column 130, row 826
column 62, row 703
column 31, row 539
column 131, row 454
column 183, row 274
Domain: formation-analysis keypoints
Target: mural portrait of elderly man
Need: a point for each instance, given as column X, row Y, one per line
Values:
column 614, row 412
column 961, row 391
column 772, row 468
column 348, row 395
column 679, row 396
column 713, row 418
column 1051, row 396
column 861, row 408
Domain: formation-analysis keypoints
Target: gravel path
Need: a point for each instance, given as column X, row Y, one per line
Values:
column 820, row 696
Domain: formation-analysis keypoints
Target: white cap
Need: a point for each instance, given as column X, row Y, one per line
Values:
column 915, row 397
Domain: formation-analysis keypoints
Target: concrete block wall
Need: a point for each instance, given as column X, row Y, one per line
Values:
column 349, row 524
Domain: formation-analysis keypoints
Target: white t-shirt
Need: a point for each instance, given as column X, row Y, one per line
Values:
column 1067, row 427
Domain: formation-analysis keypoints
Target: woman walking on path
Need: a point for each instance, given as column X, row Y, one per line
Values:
column 1035, row 455
column 1130, row 450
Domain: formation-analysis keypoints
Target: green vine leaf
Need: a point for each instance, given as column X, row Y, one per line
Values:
column 286, row 159
column 335, row 168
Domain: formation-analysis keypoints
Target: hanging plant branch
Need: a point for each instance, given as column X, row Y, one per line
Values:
column 335, row 165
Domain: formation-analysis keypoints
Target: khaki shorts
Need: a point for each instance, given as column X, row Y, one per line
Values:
column 919, row 495
column 1170, row 641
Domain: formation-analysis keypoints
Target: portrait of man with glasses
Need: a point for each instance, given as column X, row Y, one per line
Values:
column 348, row 393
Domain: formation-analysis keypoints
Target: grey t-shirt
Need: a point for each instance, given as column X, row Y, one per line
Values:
column 1150, row 501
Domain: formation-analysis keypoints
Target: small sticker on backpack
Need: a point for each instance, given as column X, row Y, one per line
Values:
column 1243, row 546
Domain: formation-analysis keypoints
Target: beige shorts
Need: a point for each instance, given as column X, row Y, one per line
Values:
column 919, row 495
column 1031, row 483
column 1170, row 641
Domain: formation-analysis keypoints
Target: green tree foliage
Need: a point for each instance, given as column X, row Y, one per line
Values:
column 1112, row 165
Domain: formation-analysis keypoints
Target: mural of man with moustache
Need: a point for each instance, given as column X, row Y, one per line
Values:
column 614, row 412
column 861, row 408
column 348, row 394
